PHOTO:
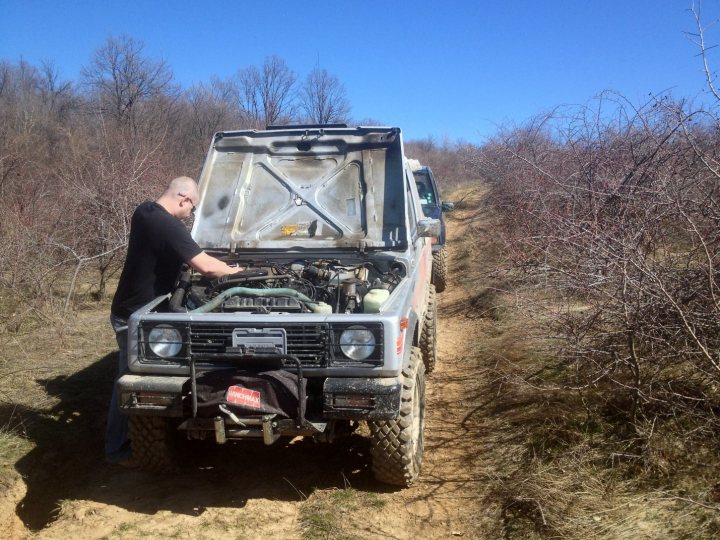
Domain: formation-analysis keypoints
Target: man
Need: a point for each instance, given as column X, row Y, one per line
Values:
column 159, row 244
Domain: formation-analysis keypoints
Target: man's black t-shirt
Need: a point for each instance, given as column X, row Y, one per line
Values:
column 159, row 244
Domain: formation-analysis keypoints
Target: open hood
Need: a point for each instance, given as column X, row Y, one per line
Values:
column 303, row 188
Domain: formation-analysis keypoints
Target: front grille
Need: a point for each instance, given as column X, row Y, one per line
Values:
column 209, row 342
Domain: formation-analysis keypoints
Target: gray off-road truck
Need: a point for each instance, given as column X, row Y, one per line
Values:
column 331, row 321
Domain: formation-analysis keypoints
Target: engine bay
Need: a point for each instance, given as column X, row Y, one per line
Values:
column 298, row 286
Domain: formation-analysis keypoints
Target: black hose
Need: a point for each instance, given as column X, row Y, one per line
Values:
column 237, row 277
column 176, row 300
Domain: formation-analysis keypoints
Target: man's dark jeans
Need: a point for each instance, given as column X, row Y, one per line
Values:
column 117, row 442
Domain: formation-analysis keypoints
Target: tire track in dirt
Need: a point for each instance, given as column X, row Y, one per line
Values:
column 449, row 498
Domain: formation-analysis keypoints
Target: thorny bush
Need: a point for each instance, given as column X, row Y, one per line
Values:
column 616, row 208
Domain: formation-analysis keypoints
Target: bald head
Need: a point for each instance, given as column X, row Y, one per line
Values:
column 182, row 185
column 181, row 197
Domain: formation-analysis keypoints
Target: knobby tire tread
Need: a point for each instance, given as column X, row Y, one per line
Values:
column 154, row 443
column 395, row 460
column 428, row 335
column 440, row 269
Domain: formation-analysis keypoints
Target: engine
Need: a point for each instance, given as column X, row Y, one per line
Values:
column 302, row 286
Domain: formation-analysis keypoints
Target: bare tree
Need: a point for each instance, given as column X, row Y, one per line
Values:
column 34, row 106
column 58, row 95
column 699, row 39
column 106, row 177
column 122, row 78
column 267, row 95
column 452, row 162
column 209, row 108
column 323, row 98
column 70, row 180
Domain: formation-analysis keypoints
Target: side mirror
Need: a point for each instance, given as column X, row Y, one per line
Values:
column 448, row 206
column 428, row 227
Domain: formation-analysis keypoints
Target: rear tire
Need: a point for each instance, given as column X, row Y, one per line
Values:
column 428, row 336
column 440, row 269
column 154, row 441
column 397, row 445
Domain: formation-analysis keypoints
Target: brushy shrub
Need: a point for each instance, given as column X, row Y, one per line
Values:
column 615, row 210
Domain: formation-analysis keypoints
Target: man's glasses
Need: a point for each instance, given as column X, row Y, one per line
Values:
column 192, row 210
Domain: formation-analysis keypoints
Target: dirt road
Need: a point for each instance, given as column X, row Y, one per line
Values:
column 300, row 490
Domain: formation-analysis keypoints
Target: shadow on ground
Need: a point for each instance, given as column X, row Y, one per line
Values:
column 67, row 461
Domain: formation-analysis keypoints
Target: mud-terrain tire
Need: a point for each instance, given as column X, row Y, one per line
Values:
column 428, row 336
column 440, row 269
column 396, row 446
column 154, row 442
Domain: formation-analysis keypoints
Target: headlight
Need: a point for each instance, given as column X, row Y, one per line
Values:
column 165, row 341
column 357, row 342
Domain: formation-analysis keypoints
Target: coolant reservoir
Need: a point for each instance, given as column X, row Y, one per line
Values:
column 322, row 307
column 374, row 299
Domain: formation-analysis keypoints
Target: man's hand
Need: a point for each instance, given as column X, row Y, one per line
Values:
column 211, row 267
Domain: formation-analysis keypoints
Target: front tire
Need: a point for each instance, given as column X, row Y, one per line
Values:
column 397, row 445
column 154, row 442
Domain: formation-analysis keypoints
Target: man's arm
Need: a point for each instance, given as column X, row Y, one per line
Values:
column 211, row 267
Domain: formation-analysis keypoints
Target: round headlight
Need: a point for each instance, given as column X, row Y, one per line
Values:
column 165, row 341
column 357, row 342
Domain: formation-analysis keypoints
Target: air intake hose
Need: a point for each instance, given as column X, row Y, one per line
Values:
column 246, row 291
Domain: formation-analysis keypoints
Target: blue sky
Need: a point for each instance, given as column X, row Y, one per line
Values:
column 452, row 69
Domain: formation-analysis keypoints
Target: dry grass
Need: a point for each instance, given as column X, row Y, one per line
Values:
column 325, row 514
column 12, row 447
column 36, row 358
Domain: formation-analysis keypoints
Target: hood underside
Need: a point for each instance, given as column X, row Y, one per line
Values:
column 304, row 188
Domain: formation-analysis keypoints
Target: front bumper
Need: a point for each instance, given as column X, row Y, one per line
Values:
column 152, row 395
column 344, row 398
column 361, row 398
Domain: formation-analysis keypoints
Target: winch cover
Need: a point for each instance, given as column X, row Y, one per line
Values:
column 248, row 393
